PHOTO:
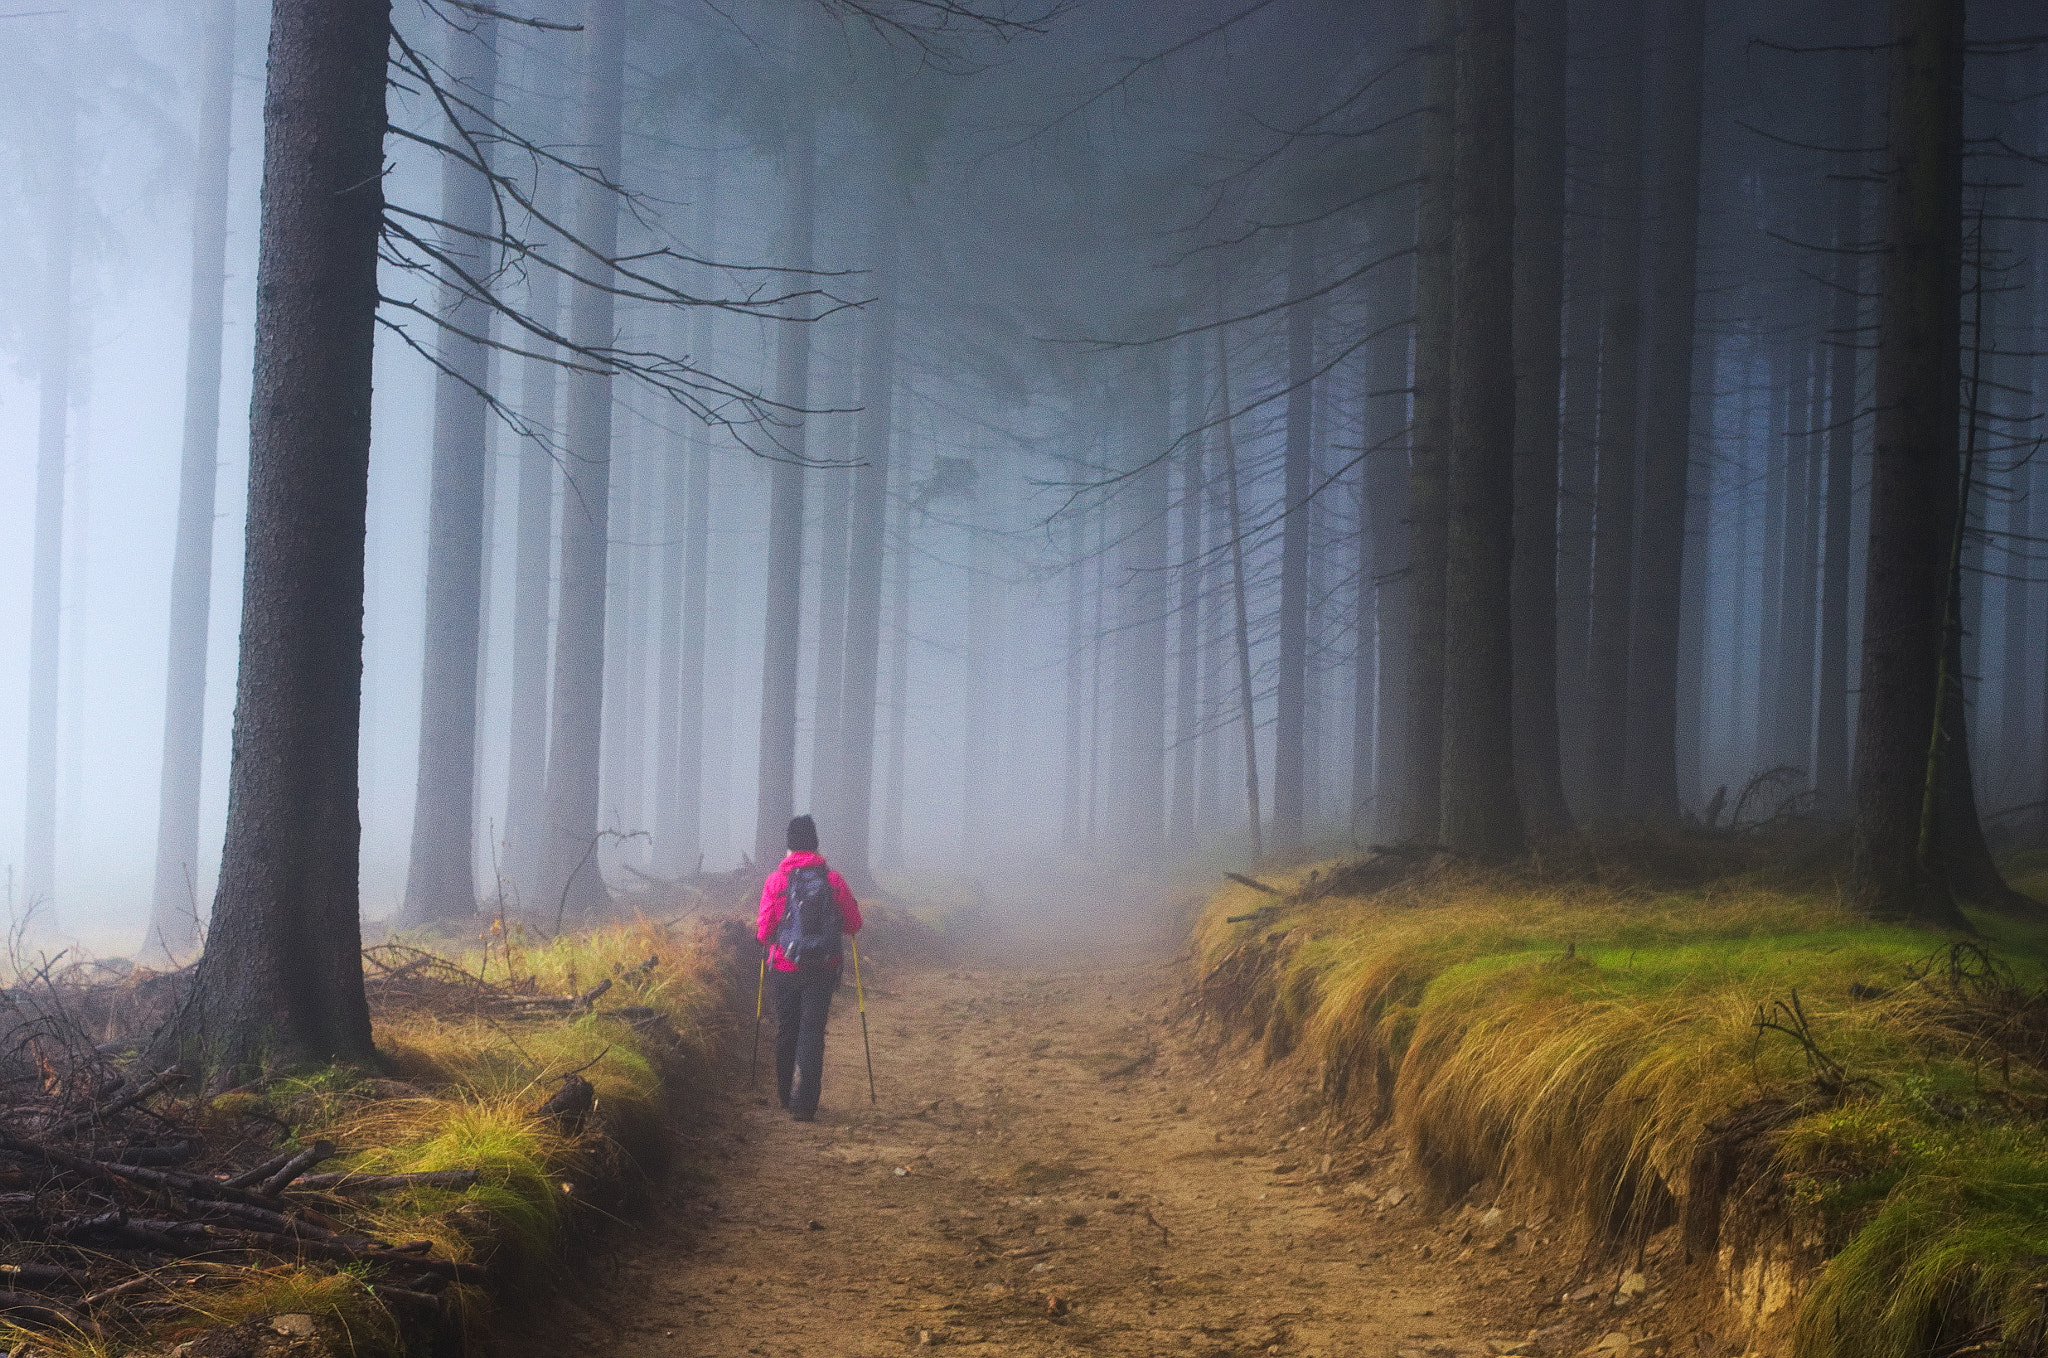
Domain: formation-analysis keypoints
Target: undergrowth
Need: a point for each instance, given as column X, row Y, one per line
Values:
column 460, row 1091
column 1735, row 1058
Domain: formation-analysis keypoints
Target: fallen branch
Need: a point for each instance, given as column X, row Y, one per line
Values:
column 1254, row 883
column 156, row 1084
column 297, row 1165
column 363, row 1183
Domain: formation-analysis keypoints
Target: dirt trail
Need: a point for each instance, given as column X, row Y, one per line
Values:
column 1056, row 1166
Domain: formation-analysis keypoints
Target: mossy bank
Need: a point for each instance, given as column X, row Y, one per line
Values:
column 1843, row 1119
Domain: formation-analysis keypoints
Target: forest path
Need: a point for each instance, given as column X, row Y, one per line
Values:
column 1055, row 1167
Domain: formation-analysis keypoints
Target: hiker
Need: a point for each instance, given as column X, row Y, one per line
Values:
column 805, row 907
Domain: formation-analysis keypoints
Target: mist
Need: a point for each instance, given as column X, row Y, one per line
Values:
column 1110, row 352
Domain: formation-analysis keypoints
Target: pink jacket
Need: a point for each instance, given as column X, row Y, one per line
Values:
column 775, row 896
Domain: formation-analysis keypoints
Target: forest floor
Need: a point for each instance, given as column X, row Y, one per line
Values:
column 1061, row 1162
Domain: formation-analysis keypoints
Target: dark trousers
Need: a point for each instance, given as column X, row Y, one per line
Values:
column 803, row 1001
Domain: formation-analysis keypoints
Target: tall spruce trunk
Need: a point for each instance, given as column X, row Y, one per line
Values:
column 834, row 524
column 1386, row 470
column 1651, row 748
column 526, row 764
column 1614, row 528
column 174, row 904
column 1895, row 872
column 440, row 883
column 1429, row 453
column 1831, row 744
column 1140, row 695
column 1482, row 819
column 1578, row 433
column 1247, row 698
column 1187, row 695
column 1538, row 343
column 281, row 981
column 866, row 546
column 1794, row 703
column 53, row 420
column 894, row 773
column 775, row 800
column 679, row 776
column 570, row 883
column 1291, row 695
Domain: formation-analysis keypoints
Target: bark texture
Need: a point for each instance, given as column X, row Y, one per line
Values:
column 1429, row 454
column 1621, row 265
column 1291, row 695
column 1538, row 340
column 872, row 439
column 281, row 980
column 440, row 882
column 174, row 904
column 1652, row 741
column 1914, row 470
column 1481, row 817
column 780, row 654
column 570, row 881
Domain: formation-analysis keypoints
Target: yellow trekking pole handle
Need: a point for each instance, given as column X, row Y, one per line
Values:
column 860, row 998
column 760, row 988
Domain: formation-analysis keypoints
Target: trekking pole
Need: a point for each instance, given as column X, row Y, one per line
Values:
column 760, row 987
column 860, row 997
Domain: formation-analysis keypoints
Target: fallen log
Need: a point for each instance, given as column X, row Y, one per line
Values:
column 1253, row 882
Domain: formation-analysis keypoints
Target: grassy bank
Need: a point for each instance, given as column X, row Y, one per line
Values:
column 464, row 1076
column 1733, row 1058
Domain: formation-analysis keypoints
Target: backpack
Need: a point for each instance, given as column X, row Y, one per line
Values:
column 809, row 936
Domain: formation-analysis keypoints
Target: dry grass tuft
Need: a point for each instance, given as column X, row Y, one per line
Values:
column 1619, row 1055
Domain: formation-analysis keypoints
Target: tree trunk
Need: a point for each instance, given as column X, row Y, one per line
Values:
column 527, row 713
column 53, row 418
column 775, row 801
column 899, row 699
column 1538, row 342
column 1578, row 434
column 1140, row 700
column 1620, row 358
column 1074, row 769
column 834, row 529
column 1429, row 456
column 1914, row 471
column 281, row 980
column 1481, row 817
column 1795, row 666
column 1187, row 714
column 174, row 905
column 440, row 884
column 1291, row 695
column 1653, row 676
column 1387, row 502
column 1246, row 695
column 623, row 761
column 1831, row 748
column 679, row 777
column 571, row 883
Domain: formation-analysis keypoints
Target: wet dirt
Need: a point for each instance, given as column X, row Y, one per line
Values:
column 1059, row 1162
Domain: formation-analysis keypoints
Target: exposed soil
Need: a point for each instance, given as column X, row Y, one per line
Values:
column 1060, row 1162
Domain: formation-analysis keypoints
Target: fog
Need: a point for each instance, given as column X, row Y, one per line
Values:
column 1102, row 215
